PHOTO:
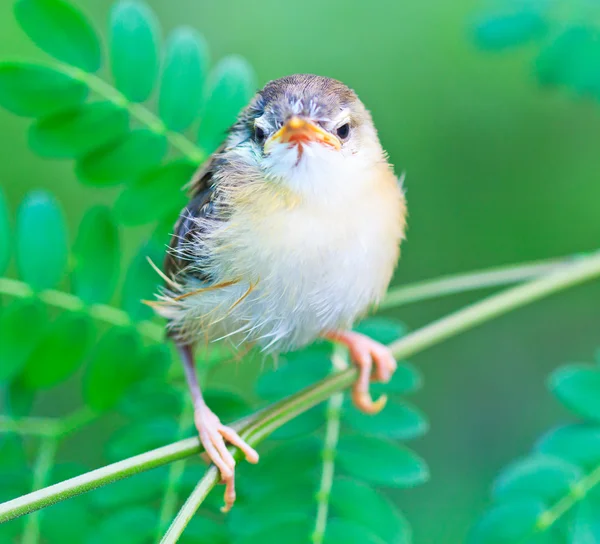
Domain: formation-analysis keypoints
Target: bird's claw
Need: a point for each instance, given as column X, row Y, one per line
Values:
column 213, row 436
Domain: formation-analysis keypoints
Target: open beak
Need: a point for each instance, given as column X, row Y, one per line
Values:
column 301, row 131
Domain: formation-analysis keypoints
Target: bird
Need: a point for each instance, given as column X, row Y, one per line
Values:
column 291, row 234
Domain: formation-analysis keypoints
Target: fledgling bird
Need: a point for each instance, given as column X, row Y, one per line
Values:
column 291, row 233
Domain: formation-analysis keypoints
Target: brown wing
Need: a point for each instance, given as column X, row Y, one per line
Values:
column 187, row 227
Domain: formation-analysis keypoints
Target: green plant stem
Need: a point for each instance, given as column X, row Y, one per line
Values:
column 461, row 283
column 261, row 424
column 168, row 506
column 41, row 471
column 35, row 426
column 67, row 301
column 332, row 433
column 577, row 493
column 138, row 111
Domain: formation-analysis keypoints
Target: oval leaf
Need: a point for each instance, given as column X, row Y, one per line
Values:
column 382, row 329
column 97, row 255
column 60, row 30
column 21, row 327
column 142, row 282
column 508, row 523
column 134, row 35
column 510, row 30
column 539, row 476
column 186, row 64
column 155, row 194
column 396, row 466
column 5, row 234
column 73, row 133
column 578, row 444
column 112, row 370
column 398, row 420
column 381, row 517
column 306, row 423
column 407, row 379
column 230, row 86
column 59, row 353
column 33, row 91
column 41, row 241
column 578, row 388
column 123, row 159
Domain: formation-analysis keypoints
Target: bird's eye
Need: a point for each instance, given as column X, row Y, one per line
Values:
column 259, row 134
column 343, row 131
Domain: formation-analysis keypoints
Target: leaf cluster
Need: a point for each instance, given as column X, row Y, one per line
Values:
column 552, row 495
column 109, row 128
column 566, row 33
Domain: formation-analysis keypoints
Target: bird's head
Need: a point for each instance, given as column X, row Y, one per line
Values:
column 310, row 133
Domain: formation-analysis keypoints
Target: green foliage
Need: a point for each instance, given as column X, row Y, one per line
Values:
column 114, row 137
column 570, row 46
column 551, row 495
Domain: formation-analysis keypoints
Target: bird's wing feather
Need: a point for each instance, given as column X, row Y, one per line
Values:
column 188, row 225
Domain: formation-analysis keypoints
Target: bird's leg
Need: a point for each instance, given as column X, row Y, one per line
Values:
column 366, row 353
column 213, row 434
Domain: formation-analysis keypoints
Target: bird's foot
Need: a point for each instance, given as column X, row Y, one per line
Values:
column 213, row 436
column 366, row 353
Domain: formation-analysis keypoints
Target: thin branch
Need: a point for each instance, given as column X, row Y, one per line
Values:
column 471, row 281
column 35, row 426
column 256, row 427
column 138, row 111
column 332, row 433
column 41, row 471
column 67, row 301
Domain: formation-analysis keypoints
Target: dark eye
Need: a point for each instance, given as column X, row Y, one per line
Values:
column 344, row 131
column 259, row 134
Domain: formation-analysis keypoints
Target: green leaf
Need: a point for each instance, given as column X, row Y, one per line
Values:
column 346, row 532
column 112, row 370
column 538, row 476
column 5, row 234
column 142, row 281
column 97, row 254
column 21, row 325
column 230, row 86
column 295, row 371
column 381, row 329
column 396, row 466
column 583, row 527
column 19, row 399
column 123, row 159
column 578, row 444
column 298, row 458
column 137, row 489
column 285, row 504
column 33, row 91
column 60, row 352
column 60, row 30
column 398, row 420
column 307, row 423
column 508, row 523
column 134, row 37
column 510, row 30
column 572, row 60
column 78, row 131
column 41, row 240
column 296, row 532
column 578, row 388
column 186, row 64
column 155, row 194
column 130, row 526
column 66, row 521
column 229, row 405
column 407, row 379
column 152, row 399
column 140, row 437
column 381, row 517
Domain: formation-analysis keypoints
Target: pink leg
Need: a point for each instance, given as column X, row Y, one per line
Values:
column 213, row 434
column 366, row 353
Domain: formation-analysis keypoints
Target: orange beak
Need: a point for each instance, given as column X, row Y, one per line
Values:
column 301, row 131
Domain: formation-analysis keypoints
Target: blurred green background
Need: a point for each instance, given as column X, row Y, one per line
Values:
column 498, row 171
